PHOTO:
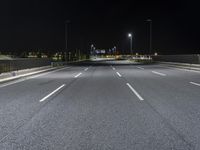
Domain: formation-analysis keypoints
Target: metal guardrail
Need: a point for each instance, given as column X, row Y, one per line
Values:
column 24, row 63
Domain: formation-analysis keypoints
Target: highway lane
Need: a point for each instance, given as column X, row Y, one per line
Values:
column 104, row 107
column 20, row 101
column 172, row 96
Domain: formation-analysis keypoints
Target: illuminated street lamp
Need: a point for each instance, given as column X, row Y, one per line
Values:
column 131, row 40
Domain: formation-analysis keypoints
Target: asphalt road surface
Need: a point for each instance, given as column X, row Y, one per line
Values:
column 113, row 105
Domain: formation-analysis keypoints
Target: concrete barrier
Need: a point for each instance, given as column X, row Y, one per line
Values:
column 191, row 59
column 22, row 63
column 22, row 73
column 182, row 65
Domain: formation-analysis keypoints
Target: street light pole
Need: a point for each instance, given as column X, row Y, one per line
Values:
column 131, row 42
column 91, row 49
column 66, row 37
column 115, row 51
column 66, row 33
column 150, row 35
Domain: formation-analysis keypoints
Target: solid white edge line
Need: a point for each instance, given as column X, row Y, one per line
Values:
column 119, row 74
column 11, row 83
column 188, row 70
column 158, row 73
column 135, row 92
column 76, row 76
column 56, row 90
column 140, row 68
column 197, row 84
column 36, row 76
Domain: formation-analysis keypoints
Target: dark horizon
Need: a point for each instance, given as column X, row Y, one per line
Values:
column 41, row 25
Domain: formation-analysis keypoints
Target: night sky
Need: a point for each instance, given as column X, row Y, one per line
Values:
column 40, row 24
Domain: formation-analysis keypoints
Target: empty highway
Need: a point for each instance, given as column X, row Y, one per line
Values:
column 105, row 105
